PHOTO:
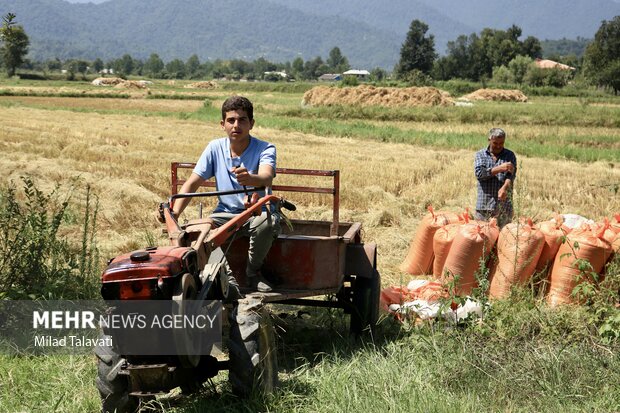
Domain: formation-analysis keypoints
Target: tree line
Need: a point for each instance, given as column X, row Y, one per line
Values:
column 193, row 68
column 501, row 56
column 492, row 54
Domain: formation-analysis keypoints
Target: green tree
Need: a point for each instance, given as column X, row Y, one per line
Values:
column 518, row 67
column 314, row 68
column 501, row 74
column 175, row 69
column 53, row 65
column 377, row 74
column 154, row 66
column 474, row 57
column 15, row 44
column 126, row 65
column 336, row 62
column 192, row 66
column 602, row 57
column 298, row 67
column 418, row 51
column 77, row 66
column 97, row 65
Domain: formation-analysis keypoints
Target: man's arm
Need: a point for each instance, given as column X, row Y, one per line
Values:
column 264, row 177
column 502, row 194
column 191, row 185
column 484, row 172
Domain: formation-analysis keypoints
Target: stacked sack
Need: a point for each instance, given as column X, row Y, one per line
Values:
column 419, row 260
column 471, row 247
column 591, row 243
column 452, row 248
column 519, row 249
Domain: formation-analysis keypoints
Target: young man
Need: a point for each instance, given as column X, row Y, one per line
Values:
column 496, row 169
column 238, row 161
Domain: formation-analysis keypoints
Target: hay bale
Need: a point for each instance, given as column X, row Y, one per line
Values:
column 201, row 85
column 131, row 84
column 107, row 81
column 501, row 95
column 367, row 95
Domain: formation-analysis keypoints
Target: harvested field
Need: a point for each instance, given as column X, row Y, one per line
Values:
column 109, row 104
column 201, row 85
column 498, row 95
column 366, row 95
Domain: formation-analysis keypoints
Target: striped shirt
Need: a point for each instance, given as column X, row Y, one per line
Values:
column 489, row 185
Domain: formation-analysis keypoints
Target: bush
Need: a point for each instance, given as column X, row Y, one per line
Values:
column 417, row 78
column 501, row 74
column 35, row 260
column 458, row 87
column 349, row 81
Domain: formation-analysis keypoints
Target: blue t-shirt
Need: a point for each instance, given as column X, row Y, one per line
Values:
column 216, row 162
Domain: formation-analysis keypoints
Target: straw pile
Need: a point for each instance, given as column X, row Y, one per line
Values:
column 366, row 95
column 201, row 85
column 107, row 81
column 131, row 84
column 497, row 95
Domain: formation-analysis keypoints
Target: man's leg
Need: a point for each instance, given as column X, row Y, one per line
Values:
column 504, row 215
column 219, row 219
column 263, row 230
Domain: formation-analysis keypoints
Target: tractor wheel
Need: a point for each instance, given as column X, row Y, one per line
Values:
column 113, row 387
column 252, row 349
column 186, row 341
column 366, row 295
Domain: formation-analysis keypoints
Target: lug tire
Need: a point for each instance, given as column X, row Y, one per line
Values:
column 253, row 367
column 113, row 387
column 365, row 300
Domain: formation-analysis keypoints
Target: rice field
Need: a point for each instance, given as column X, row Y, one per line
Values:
column 394, row 163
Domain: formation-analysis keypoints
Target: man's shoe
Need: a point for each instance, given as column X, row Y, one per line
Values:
column 259, row 284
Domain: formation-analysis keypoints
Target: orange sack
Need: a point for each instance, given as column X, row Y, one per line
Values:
column 442, row 241
column 553, row 232
column 615, row 224
column 565, row 276
column 473, row 241
column 518, row 249
column 419, row 259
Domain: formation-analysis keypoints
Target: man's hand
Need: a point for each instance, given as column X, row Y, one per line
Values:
column 243, row 176
column 502, row 194
column 506, row 167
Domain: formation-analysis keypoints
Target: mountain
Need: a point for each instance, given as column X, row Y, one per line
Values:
column 393, row 16
column 368, row 32
column 548, row 19
column 208, row 28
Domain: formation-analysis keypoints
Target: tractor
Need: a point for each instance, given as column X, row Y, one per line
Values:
column 310, row 259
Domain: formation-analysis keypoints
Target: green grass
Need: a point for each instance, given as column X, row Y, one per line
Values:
column 524, row 358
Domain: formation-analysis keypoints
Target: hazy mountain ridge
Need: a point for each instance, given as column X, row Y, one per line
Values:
column 368, row 32
column 173, row 29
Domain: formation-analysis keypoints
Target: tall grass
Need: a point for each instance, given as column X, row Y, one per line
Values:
column 36, row 260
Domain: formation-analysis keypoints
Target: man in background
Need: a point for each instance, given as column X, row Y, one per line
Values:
column 496, row 169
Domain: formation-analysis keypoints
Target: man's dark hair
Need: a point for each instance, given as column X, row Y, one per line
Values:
column 238, row 103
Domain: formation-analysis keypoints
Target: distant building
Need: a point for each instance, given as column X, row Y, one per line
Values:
column 550, row 64
column 275, row 75
column 330, row 77
column 360, row 74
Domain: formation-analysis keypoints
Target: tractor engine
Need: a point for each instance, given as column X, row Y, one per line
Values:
column 148, row 274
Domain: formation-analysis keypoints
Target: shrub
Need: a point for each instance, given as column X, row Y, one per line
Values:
column 349, row 81
column 458, row 87
column 501, row 74
column 35, row 260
